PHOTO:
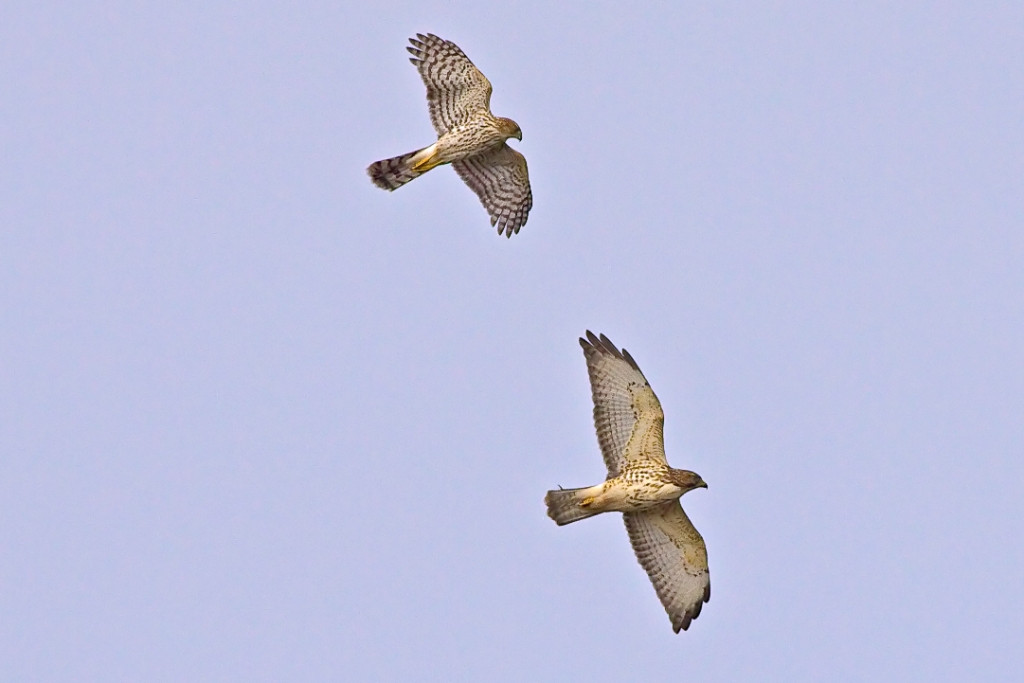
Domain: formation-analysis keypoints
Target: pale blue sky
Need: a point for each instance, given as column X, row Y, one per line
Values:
column 262, row 421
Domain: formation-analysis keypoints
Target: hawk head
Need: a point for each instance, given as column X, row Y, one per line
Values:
column 686, row 480
column 510, row 129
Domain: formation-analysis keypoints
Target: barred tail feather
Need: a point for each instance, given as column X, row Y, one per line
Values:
column 564, row 506
column 391, row 174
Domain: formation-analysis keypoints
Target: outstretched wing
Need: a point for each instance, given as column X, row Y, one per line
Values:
column 500, row 179
column 627, row 414
column 455, row 88
column 673, row 553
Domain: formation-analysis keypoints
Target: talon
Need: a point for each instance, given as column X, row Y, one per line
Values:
column 587, row 502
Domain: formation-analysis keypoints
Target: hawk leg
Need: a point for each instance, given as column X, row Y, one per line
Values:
column 431, row 160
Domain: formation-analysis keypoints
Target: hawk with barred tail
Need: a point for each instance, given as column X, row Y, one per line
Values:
column 469, row 137
column 640, row 483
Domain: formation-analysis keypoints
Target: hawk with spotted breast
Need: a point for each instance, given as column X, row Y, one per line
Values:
column 640, row 483
column 469, row 136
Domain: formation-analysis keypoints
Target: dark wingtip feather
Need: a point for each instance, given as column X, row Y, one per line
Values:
column 604, row 345
column 588, row 348
column 609, row 347
column 692, row 613
column 629, row 359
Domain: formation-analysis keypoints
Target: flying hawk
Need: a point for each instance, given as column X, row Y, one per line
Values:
column 640, row 484
column 469, row 136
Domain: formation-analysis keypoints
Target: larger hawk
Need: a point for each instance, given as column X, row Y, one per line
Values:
column 640, row 483
column 469, row 136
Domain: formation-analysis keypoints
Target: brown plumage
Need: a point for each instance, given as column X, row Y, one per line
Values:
column 640, row 484
column 470, row 137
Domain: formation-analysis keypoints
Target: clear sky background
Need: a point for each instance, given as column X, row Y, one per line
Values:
column 261, row 421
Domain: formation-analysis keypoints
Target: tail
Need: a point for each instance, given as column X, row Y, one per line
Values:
column 391, row 174
column 564, row 506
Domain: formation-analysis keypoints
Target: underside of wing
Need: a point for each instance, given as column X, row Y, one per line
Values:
column 456, row 89
column 674, row 556
column 501, row 180
column 627, row 414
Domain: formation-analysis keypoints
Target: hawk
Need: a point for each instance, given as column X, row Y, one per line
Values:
column 640, row 484
column 469, row 136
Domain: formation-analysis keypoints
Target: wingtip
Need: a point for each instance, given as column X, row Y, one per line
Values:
column 684, row 623
column 605, row 345
column 608, row 347
column 425, row 38
column 629, row 359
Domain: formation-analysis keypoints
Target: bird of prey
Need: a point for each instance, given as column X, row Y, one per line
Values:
column 640, row 484
column 469, row 137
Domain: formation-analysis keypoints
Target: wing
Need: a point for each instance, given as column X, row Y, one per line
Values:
column 501, row 181
column 455, row 88
column 627, row 414
column 673, row 554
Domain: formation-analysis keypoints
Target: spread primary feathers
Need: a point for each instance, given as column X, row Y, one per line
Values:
column 640, row 483
column 470, row 138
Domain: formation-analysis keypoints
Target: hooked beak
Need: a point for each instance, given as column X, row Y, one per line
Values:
column 702, row 485
column 519, row 136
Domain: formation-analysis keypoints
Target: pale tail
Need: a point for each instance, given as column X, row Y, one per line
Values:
column 391, row 174
column 564, row 506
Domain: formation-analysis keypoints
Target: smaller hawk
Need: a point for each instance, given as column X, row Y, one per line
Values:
column 469, row 136
column 640, row 484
